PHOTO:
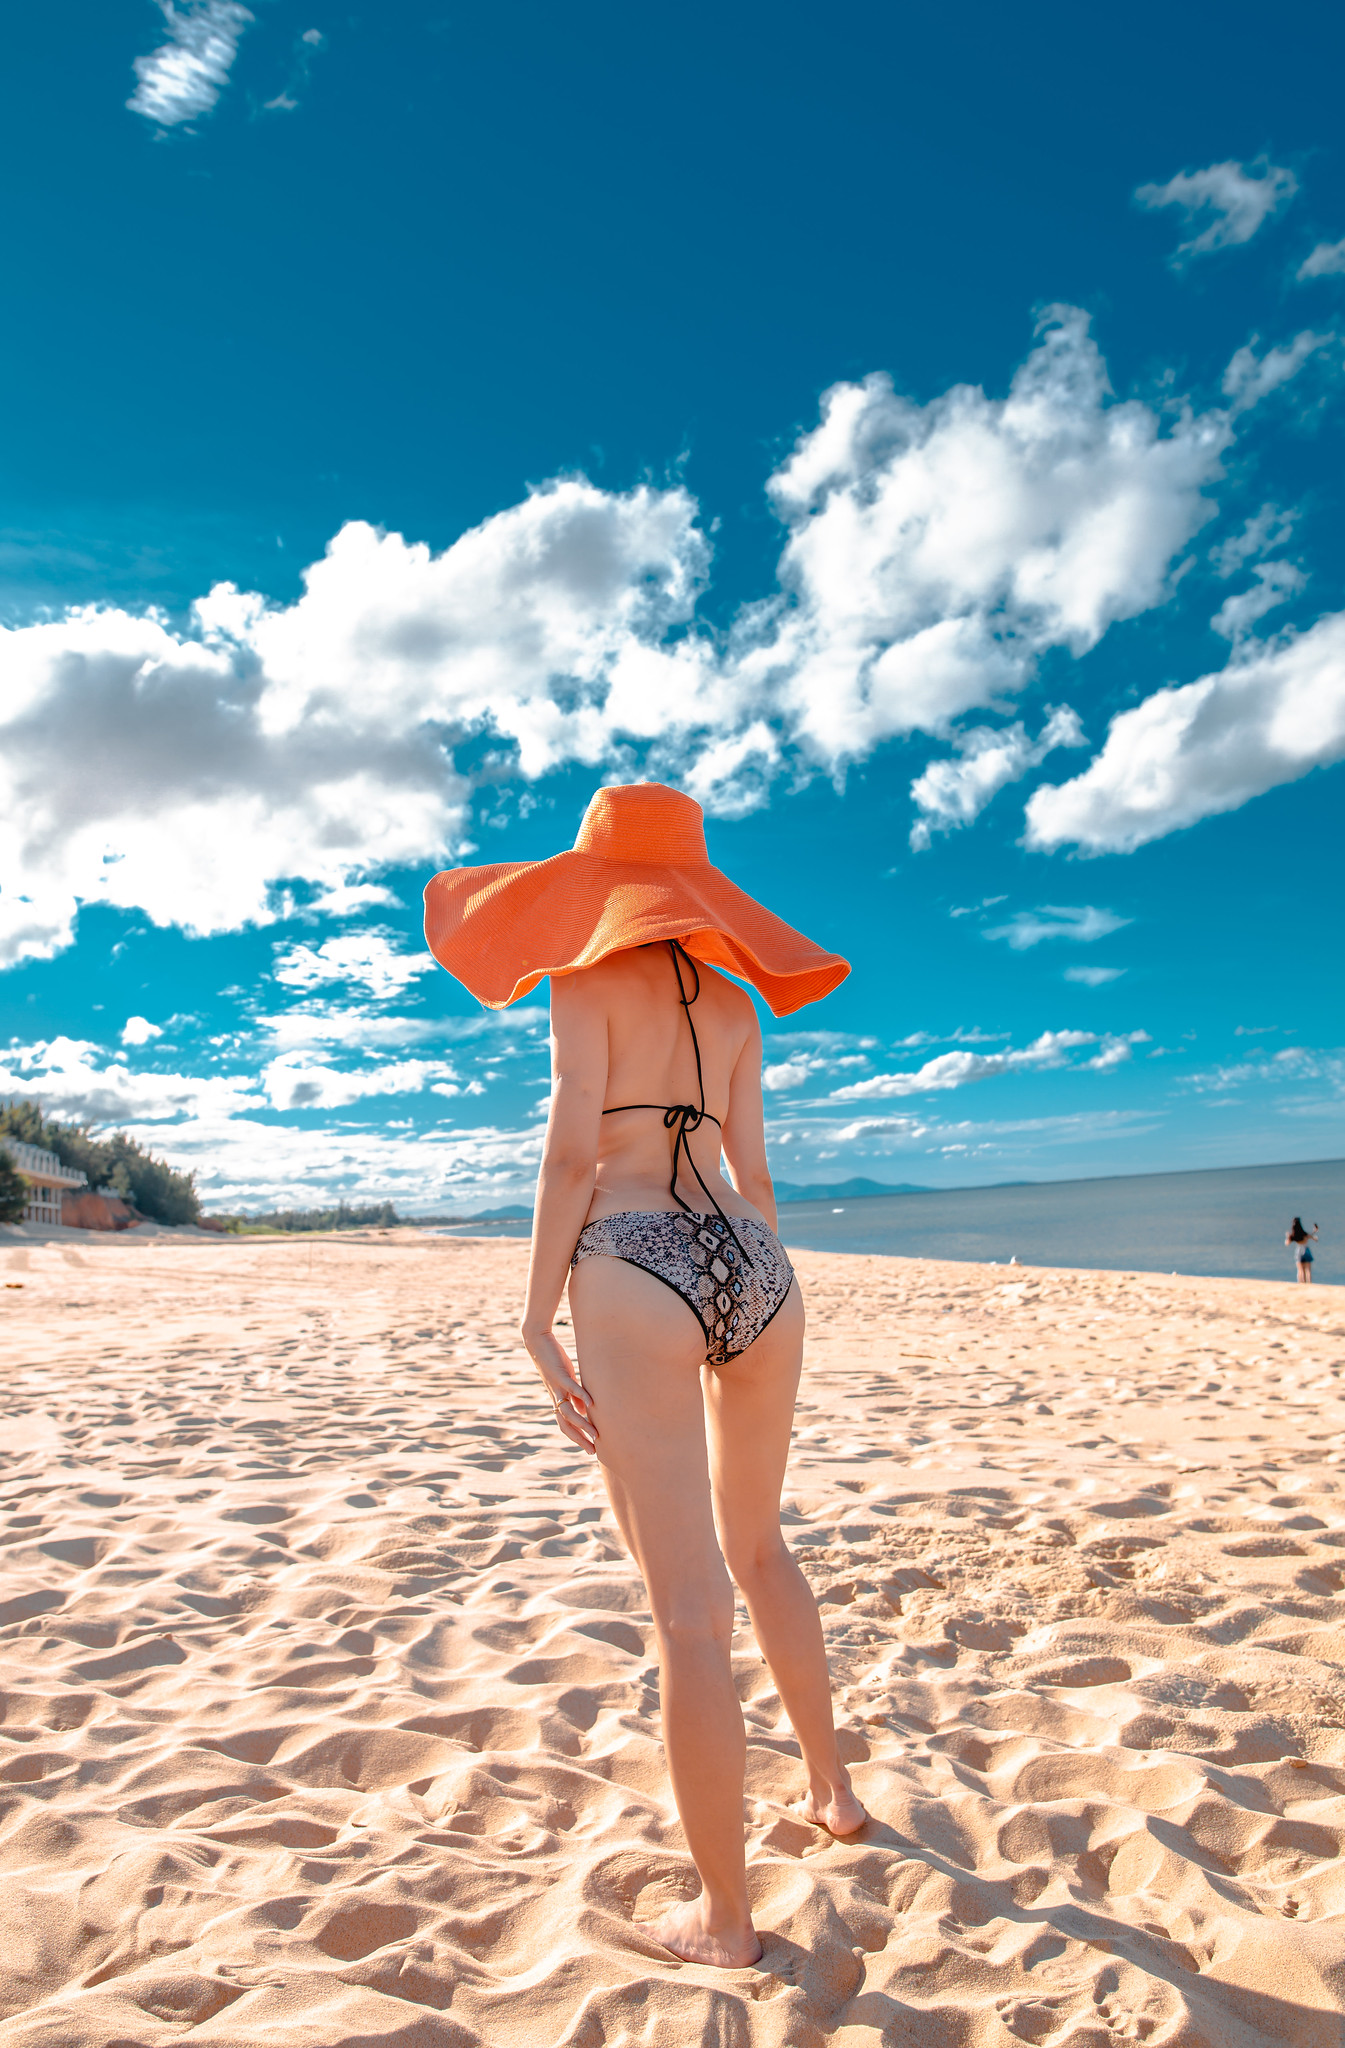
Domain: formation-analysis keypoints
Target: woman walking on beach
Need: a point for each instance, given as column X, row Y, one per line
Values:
column 687, row 1316
column 1300, row 1242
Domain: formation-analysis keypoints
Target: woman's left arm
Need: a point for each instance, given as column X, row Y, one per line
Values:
column 565, row 1189
column 745, row 1126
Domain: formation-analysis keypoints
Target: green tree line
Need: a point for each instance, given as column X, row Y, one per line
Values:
column 151, row 1185
column 343, row 1217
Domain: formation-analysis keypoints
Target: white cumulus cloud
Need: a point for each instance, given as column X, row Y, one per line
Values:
column 781, row 1074
column 1228, row 202
column 139, row 1031
column 74, row 1078
column 936, row 552
column 548, row 621
column 185, row 76
column 1275, row 712
column 189, row 777
column 1114, row 1051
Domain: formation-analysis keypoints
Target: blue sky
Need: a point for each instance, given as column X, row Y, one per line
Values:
column 916, row 433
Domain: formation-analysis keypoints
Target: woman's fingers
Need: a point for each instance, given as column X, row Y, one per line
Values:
column 564, row 1388
column 576, row 1422
column 571, row 1400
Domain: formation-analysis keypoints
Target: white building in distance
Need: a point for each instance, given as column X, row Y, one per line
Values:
column 46, row 1177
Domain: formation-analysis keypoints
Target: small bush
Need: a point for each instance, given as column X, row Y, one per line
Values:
column 13, row 1190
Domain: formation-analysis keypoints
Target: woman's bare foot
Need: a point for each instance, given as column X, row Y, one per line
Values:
column 836, row 1809
column 684, row 1931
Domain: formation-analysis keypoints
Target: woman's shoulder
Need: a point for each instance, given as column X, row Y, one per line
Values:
column 731, row 1003
column 615, row 981
column 731, row 993
column 645, row 973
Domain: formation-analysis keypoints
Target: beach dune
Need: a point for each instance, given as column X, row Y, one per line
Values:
column 330, row 1712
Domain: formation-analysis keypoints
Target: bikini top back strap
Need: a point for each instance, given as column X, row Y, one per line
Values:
column 679, row 953
column 671, row 1110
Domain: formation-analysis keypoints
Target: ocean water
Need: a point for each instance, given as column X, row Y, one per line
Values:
column 1223, row 1221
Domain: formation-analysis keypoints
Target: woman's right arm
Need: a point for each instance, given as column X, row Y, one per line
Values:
column 745, row 1129
column 565, row 1189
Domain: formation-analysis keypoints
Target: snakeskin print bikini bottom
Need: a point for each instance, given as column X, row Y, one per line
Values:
column 731, row 1296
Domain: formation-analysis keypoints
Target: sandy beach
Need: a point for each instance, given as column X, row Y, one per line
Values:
column 329, row 1715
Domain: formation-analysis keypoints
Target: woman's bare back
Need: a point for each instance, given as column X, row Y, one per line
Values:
column 652, row 1060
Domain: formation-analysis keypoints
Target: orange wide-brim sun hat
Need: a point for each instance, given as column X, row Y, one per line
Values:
column 637, row 872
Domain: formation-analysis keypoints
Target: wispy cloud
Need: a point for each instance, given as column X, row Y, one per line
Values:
column 1094, row 977
column 368, row 959
column 954, row 793
column 956, row 1069
column 1249, row 378
column 879, row 1137
column 1083, row 922
column 1295, row 1064
column 293, row 1081
column 792, row 1058
column 185, row 76
column 1269, row 528
column 503, row 1034
column 801, row 1066
column 1326, row 260
column 1275, row 583
column 348, row 899
column 287, row 100
column 1228, row 201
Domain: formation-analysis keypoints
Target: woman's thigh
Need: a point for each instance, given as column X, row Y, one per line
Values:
column 750, row 1403
column 640, row 1353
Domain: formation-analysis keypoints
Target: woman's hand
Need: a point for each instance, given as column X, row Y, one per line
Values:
column 572, row 1404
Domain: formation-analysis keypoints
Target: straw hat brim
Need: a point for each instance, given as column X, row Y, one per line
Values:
column 501, row 930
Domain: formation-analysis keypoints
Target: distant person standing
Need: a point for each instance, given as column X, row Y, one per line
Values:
column 1300, row 1242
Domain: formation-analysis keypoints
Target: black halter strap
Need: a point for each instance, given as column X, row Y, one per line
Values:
column 684, row 1117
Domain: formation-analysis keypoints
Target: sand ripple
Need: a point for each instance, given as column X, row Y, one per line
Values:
column 329, row 1715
